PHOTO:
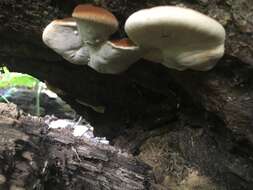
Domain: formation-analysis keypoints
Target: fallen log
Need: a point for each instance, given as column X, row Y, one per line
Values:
column 34, row 157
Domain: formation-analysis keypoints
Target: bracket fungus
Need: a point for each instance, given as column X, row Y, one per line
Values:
column 179, row 38
column 90, row 45
column 95, row 24
column 176, row 37
column 62, row 36
column 115, row 56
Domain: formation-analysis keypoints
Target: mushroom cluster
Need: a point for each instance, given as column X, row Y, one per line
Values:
column 179, row 38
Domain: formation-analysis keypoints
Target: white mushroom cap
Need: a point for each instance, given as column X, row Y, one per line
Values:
column 114, row 56
column 179, row 38
column 94, row 23
column 62, row 36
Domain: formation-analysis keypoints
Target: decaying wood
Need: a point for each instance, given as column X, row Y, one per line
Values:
column 22, row 50
column 33, row 157
column 226, row 92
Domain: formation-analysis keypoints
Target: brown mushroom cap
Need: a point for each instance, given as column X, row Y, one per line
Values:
column 124, row 42
column 95, row 14
column 95, row 24
column 70, row 21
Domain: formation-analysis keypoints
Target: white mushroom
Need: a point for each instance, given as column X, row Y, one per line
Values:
column 94, row 23
column 62, row 36
column 114, row 56
column 179, row 38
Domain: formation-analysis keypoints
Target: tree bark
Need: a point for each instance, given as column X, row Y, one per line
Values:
column 35, row 157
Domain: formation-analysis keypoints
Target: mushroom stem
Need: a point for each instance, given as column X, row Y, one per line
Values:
column 92, row 34
column 114, row 57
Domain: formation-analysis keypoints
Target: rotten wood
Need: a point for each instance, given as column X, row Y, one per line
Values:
column 33, row 157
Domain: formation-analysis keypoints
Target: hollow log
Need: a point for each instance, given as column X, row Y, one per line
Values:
column 202, row 120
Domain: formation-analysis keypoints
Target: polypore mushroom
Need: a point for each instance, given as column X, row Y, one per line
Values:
column 114, row 56
column 89, row 45
column 94, row 23
column 62, row 36
column 179, row 38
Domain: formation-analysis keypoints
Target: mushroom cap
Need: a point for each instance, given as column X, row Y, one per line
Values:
column 95, row 14
column 177, row 37
column 114, row 56
column 62, row 36
column 95, row 24
column 69, row 21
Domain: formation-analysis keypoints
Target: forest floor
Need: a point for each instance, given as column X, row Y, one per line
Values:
column 183, row 155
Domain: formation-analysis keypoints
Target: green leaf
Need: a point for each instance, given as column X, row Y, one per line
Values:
column 12, row 79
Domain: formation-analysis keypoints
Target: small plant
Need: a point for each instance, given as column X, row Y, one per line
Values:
column 12, row 79
column 15, row 80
